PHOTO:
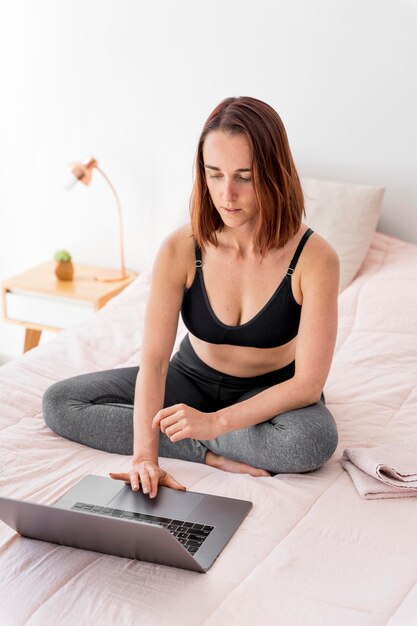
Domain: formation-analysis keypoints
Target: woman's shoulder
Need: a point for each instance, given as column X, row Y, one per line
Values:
column 180, row 241
column 319, row 261
column 177, row 252
column 320, row 249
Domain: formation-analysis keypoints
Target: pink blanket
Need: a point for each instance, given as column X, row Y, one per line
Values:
column 311, row 550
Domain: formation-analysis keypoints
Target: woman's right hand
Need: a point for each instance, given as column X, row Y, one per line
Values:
column 148, row 474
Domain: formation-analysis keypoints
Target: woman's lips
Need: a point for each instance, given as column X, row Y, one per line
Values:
column 231, row 210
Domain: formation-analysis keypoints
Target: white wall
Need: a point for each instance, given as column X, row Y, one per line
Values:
column 132, row 83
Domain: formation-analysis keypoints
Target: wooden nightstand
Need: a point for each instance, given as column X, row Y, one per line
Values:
column 39, row 301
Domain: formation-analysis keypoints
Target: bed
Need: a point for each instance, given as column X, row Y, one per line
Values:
column 311, row 550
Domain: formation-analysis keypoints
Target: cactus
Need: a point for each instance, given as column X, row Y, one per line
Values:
column 62, row 256
column 64, row 269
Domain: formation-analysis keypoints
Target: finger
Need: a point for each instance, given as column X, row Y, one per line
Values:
column 166, row 412
column 174, row 484
column 173, row 420
column 164, row 423
column 161, row 415
column 154, row 480
column 172, row 424
column 120, row 476
column 134, row 480
column 178, row 434
column 178, row 437
column 175, row 427
column 144, row 479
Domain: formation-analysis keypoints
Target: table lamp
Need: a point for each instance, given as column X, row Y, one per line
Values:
column 83, row 172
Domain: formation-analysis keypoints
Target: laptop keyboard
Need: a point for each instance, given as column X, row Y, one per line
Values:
column 191, row 535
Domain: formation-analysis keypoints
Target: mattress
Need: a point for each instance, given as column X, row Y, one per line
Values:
column 310, row 551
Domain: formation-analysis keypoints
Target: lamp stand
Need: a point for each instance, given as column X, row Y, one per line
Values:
column 113, row 275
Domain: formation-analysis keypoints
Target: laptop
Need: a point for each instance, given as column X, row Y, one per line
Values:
column 185, row 529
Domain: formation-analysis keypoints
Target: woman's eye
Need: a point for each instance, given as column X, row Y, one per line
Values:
column 246, row 180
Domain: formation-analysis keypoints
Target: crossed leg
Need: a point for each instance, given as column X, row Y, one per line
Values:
column 97, row 410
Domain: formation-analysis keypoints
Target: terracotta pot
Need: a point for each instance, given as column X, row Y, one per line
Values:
column 64, row 270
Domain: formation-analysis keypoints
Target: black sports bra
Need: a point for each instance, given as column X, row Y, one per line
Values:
column 275, row 324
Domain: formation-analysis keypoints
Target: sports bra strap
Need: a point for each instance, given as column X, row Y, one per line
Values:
column 309, row 231
column 198, row 261
column 300, row 247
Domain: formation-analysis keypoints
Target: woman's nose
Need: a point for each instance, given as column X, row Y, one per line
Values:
column 229, row 193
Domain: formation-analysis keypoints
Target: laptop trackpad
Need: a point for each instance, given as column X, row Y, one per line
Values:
column 171, row 503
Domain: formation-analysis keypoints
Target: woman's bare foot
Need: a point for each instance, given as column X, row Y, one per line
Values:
column 227, row 465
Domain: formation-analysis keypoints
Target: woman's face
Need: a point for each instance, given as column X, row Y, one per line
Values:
column 228, row 164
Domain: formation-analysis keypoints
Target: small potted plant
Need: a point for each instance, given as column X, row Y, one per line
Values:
column 64, row 268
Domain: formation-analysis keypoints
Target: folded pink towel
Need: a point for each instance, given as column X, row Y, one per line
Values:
column 388, row 471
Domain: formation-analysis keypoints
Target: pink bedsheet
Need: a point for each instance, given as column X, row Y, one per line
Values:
column 311, row 551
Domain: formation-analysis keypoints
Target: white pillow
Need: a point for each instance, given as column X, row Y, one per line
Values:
column 346, row 215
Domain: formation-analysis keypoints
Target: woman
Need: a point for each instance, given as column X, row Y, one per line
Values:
column 257, row 290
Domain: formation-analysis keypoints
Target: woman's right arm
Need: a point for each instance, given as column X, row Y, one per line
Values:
column 169, row 276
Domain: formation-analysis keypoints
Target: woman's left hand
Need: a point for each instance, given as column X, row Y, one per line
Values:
column 181, row 421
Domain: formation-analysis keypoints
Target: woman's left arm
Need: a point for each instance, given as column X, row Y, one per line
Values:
column 314, row 352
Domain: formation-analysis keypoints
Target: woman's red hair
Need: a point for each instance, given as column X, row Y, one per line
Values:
column 276, row 183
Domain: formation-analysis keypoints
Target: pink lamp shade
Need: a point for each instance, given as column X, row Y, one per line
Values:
column 83, row 172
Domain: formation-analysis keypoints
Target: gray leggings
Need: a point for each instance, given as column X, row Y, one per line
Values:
column 97, row 410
